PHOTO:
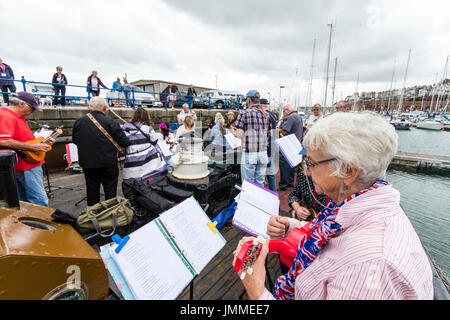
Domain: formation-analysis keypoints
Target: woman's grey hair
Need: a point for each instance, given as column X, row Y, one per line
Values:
column 219, row 119
column 362, row 140
column 14, row 101
column 290, row 107
column 97, row 103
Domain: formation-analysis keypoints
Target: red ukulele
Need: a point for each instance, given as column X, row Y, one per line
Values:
column 286, row 248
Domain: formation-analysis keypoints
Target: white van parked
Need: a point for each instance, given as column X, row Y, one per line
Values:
column 219, row 98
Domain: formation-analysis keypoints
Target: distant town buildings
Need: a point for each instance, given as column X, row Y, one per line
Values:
column 423, row 98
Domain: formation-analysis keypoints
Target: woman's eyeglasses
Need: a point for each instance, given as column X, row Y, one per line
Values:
column 308, row 163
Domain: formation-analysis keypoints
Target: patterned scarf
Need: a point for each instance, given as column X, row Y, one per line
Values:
column 324, row 227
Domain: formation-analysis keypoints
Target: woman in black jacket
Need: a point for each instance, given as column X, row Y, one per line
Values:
column 59, row 82
column 6, row 77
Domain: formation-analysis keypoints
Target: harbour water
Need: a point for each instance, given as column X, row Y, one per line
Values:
column 426, row 198
column 424, row 141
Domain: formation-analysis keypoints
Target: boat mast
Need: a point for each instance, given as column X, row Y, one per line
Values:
column 432, row 93
column 423, row 96
column 444, row 76
column 400, row 105
column 356, row 93
column 446, row 105
column 390, row 88
column 328, row 67
column 309, row 95
column 334, row 80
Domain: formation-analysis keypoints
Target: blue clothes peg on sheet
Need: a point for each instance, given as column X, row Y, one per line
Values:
column 120, row 242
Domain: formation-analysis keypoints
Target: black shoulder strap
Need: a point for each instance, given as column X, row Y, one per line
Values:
column 146, row 136
column 153, row 143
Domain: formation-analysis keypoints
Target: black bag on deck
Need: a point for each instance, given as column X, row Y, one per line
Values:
column 220, row 170
column 141, row 195
column 162, row 186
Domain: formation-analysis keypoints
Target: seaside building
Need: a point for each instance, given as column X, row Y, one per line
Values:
column 158, row 86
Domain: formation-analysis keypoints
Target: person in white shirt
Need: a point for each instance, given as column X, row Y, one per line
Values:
column 317, row 114
column 165, row 135
column 186, row 129
column 186, row 112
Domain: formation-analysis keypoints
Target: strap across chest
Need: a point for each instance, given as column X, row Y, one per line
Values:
column 99, row 126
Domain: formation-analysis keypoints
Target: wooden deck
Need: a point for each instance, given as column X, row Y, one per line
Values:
column 419, row 162
column 417, row 157
column 218, row 281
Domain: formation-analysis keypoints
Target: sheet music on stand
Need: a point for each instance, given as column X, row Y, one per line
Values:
column 291, row 147
column 162, row 258
column 43, row 132
column 255, row 206
column 72, row 153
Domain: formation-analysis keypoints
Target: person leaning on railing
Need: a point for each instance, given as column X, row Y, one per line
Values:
column 191, row 94
column 93, row 84
column 59, row 82
column 116, row 88
column 6, row 80
column 362, row 245
column 126, row 87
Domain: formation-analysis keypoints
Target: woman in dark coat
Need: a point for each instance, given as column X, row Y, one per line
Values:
column 59, row 82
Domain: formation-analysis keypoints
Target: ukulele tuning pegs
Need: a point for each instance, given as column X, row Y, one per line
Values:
column 250, row 270
column 261, row 240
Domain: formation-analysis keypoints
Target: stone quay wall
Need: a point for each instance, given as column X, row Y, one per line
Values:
column 67, row 116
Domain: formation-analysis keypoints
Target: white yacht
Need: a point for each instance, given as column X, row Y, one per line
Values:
column 429, row 125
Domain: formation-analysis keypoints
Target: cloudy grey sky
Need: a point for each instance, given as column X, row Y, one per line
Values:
column 241, row 44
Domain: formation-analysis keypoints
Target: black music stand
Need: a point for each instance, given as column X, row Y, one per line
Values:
column 49, row 186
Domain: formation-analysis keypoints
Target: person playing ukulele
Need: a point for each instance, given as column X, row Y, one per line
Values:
column 14, row 132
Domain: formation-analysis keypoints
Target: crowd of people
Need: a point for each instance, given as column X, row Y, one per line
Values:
column 256, row 125
column 360, row 245
column 121, row 89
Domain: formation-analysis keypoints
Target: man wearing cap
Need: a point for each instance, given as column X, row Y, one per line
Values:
column 253, row 127
column 14, row 132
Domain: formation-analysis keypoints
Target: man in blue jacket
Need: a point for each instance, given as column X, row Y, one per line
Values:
column 6, row 77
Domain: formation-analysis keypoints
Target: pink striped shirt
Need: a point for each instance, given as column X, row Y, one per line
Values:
column 375, row 255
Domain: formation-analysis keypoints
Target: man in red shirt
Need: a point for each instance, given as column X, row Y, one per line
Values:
column 14, row 132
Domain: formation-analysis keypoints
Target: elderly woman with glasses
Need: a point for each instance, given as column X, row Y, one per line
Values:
column 361, row 245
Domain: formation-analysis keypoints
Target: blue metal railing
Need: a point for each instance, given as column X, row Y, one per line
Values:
column 113, row 96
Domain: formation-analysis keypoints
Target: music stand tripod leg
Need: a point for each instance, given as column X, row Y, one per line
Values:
column 45, row 168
